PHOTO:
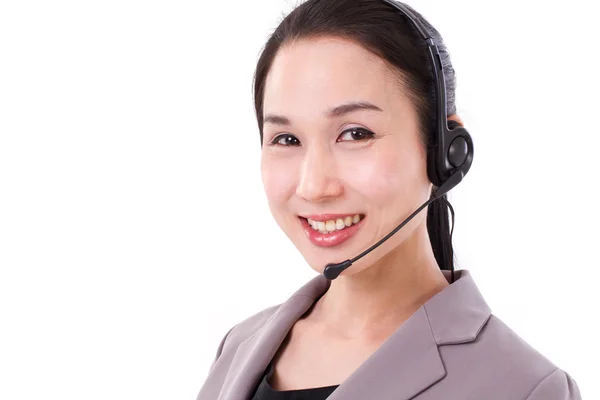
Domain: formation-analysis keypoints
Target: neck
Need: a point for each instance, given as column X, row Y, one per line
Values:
column 375, row 301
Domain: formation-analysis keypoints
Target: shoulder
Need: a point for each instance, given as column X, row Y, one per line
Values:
column 498, row 339
column 228, row 348
column 245, row 329
column 499, row 357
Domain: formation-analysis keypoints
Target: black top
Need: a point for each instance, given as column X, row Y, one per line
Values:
column 264, row 391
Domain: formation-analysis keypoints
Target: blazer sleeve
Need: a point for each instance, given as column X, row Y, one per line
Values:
column 557, row 386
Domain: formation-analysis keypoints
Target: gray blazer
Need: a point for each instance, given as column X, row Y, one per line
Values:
column 451, row 348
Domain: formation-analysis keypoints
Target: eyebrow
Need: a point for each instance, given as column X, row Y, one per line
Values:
column 334, row 112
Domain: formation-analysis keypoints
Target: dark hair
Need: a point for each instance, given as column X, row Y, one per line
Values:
column 383, row 30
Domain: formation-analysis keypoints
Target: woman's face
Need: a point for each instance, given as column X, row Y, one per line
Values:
column 354, row 160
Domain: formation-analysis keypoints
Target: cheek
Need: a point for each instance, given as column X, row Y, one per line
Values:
column 381, row 178
column 277, row 183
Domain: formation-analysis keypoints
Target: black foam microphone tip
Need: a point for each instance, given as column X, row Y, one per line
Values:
column 332, row 270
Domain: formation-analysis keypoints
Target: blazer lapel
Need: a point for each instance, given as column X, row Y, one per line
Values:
column 407, row 363
column 255, row 353
column 404, row 365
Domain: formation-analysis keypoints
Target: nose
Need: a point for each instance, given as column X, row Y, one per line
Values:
column 319, row 179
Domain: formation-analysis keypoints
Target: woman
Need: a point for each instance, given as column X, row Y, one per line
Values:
column 345, row 98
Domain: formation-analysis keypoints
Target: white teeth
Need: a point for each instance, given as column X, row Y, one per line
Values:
column 330, row 226
column 334, row 225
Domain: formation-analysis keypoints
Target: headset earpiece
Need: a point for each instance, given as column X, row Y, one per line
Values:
column 458, row 148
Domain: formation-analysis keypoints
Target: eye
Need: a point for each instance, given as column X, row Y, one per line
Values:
column 285, row 140
column 357, row 135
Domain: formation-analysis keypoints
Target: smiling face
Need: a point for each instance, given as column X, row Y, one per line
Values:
column 340, row 137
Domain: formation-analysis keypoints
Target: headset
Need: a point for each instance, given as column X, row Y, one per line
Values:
column 450, row 156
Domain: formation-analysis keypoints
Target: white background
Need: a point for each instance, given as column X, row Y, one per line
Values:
column 134, row 230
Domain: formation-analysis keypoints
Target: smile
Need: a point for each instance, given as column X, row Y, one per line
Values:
column 333, row 231
column 334, row 225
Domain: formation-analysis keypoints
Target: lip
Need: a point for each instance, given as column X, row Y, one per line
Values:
column 329, row 239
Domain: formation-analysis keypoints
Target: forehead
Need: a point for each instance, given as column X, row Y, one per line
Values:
column 309, row 76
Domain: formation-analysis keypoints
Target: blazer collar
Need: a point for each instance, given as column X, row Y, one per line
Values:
column 407, row 363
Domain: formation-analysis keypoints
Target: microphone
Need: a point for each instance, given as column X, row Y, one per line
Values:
column 332, row 270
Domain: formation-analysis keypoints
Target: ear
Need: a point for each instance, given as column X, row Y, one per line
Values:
column 456, row 118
